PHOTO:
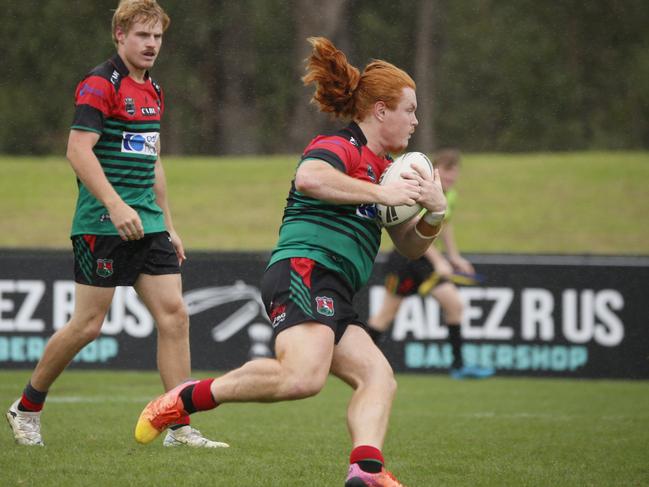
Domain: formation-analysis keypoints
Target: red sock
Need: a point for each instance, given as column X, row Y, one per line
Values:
column 184, row 421
column 27, row 405
column 366, row 453
column 202, row 396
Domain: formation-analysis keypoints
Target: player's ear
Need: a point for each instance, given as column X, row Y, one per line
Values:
column 119, row 34
column 379, row 110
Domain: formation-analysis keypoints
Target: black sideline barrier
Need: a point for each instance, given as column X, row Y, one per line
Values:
column 562, row 316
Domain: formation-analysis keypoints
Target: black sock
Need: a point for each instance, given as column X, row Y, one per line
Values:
column 375, row 334
column 370, row 466
column 186, row 396
column 455, row 339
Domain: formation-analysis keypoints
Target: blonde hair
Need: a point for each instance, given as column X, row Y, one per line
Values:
column 342, row 90
column 129, row 12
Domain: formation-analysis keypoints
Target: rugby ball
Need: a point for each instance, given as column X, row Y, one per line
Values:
column 394, row 215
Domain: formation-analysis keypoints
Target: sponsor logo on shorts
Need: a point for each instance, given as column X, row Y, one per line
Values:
column 278, row 314
column 143, row 143
column 325, row 305
column 104, row 267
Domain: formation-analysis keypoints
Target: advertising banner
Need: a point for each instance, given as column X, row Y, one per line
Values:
column 562, row 316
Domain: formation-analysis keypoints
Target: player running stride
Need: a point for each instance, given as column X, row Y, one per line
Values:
column 122, row 232
column 328, row 241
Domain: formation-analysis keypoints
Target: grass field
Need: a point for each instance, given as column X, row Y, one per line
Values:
column 589, row 202
column 499, row 432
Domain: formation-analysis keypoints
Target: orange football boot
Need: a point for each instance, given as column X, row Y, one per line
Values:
column 163, row 411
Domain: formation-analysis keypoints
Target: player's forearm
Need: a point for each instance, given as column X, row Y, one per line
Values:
column 408, row 241
column 433, row 255
column 319, row 180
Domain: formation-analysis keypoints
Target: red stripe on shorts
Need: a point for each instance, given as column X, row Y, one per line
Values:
column 304, row 267
column 90, row 240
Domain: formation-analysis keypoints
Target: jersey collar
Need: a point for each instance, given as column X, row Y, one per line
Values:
column 116, row 61
column 357, row 133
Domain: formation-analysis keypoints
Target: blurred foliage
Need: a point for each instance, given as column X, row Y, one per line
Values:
column 508, row 76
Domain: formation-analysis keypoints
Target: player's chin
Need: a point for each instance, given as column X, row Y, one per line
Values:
column 398, row 147
column 147, row 62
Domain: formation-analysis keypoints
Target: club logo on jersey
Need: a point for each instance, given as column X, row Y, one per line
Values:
column 278, row 314
column 367, row 210
column 325, row 305
column 144, row 143
column 371, row 174
column 148, row 111
column 129, row 105
column 104, row 267
column 353, row 141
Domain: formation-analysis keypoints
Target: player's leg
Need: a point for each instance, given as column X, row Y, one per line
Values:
column 162, row 295
column 380, row 322
column 155, row 275
column 359, row 363
column 450, row 301
column 300, row 370
column 403, row 278
column 90, row 307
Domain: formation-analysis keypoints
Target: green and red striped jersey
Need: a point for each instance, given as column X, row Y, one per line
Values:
column 126, row 114
column 343, row 238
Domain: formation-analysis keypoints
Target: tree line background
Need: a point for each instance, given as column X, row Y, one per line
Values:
column 492, row 75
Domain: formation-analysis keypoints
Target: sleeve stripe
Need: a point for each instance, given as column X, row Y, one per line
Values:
column 327, row 156
column 89, row 117
column 85, row 129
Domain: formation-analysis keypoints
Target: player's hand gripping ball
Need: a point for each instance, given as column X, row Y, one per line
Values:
column 394, row 215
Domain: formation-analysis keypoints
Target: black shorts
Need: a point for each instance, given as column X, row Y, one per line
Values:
column 109, row 261
column 297, row 290
column 405, row 276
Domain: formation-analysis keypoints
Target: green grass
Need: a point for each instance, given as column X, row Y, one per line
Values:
column 589, row 202
column 499, row 432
